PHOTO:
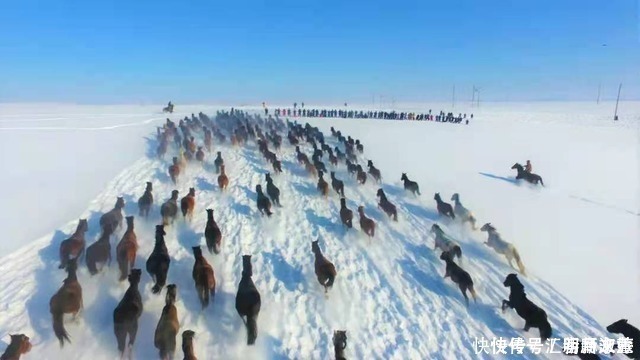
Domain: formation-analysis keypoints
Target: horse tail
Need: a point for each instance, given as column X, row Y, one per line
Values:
column 64, row 258
column 252, row 329
column 58, row 327
column 472, row 220
column 202, row 286
column 541, row 182
column 121, row 336
column 123, row 265
column 545, row 329
column 516, row 256
column 418, row 190
column 330, row 280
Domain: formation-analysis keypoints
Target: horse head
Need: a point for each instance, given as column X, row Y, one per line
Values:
column 174, row 195
column 259, row 189
column 119, row 202
column 340, row 339
column 160, row 231
column 437, row 197
column 134, row 276
column 435, row 229
column 446, row 256
column 246, row 265
column 512, row 281
column 618, row 326
column 172, row 293
column 197, row 251
column 404, row 177
column 455, row 197
column 380, row 193
column 487, row 227
column 315, row 247
column 517, row 166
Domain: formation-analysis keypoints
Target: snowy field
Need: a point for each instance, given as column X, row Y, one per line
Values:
column 578, row 236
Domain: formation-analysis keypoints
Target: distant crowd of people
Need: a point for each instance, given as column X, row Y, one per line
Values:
column 370, row 114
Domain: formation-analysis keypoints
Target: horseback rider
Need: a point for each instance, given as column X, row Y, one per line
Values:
column 527, row 167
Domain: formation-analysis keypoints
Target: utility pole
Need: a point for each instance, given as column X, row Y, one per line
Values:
column 615, row 115
column 599, row 86
column 453, row 97
column 473, row 95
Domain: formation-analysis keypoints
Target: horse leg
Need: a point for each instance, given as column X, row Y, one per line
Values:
column 463, row 289
column 527, row 326
column 505, row 304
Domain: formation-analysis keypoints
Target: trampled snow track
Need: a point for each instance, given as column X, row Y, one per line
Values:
column 389, row 293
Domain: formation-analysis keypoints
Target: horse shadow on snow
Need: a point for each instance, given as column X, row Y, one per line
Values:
column 285, row 272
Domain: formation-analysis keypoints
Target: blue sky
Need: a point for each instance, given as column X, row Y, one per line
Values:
column 316, row 51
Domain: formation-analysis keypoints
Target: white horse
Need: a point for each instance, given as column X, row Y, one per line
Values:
column 444, row 243
column 502, row 247
column 462, row 212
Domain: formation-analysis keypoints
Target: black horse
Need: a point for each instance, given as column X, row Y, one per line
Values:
column 623, row 327
column 410, row 185
column 532, row 314
column 248, row 300
column 525, row 175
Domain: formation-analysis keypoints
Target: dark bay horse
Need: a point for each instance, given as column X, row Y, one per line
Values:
column 212, row 234
column 366, row 224
column 325, row 270
column 340, row 344
column 100, row 251
column 444, row 209
column 146, row 201
column 346, row 215
column 114, row 217
column 410, row 185
column 386, row 205
column 248, row 300
column 159, row 261
column 126, row 315
column 527, row 176
column 623, row 327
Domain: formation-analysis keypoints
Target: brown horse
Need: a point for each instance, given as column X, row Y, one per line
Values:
column 323, row 186
column 340, row 343
column 207, row 140
column 73, row 247
column 366, row 224
column 146, row 201
column 174, row 170
column 203, row 277
column 19, row 346
column 325, row 270
column 346, row 215
column 188, row 203
column 277, row 167
column 212, row 234
column 310, row 168
column 127, row 313
column 100, row 251
column 168, row 326
column 200, row 154
column 113, row 218
column 187, row 345
column 126, row 250
column 169, row 210
column 223, row 180
column 68, row 300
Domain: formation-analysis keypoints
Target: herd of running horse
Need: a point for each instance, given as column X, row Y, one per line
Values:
column 238, row 128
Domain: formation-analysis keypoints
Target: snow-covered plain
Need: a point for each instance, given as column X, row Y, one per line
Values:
column 578, row 236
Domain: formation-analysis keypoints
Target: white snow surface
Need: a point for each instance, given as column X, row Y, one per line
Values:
column 578, row 236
